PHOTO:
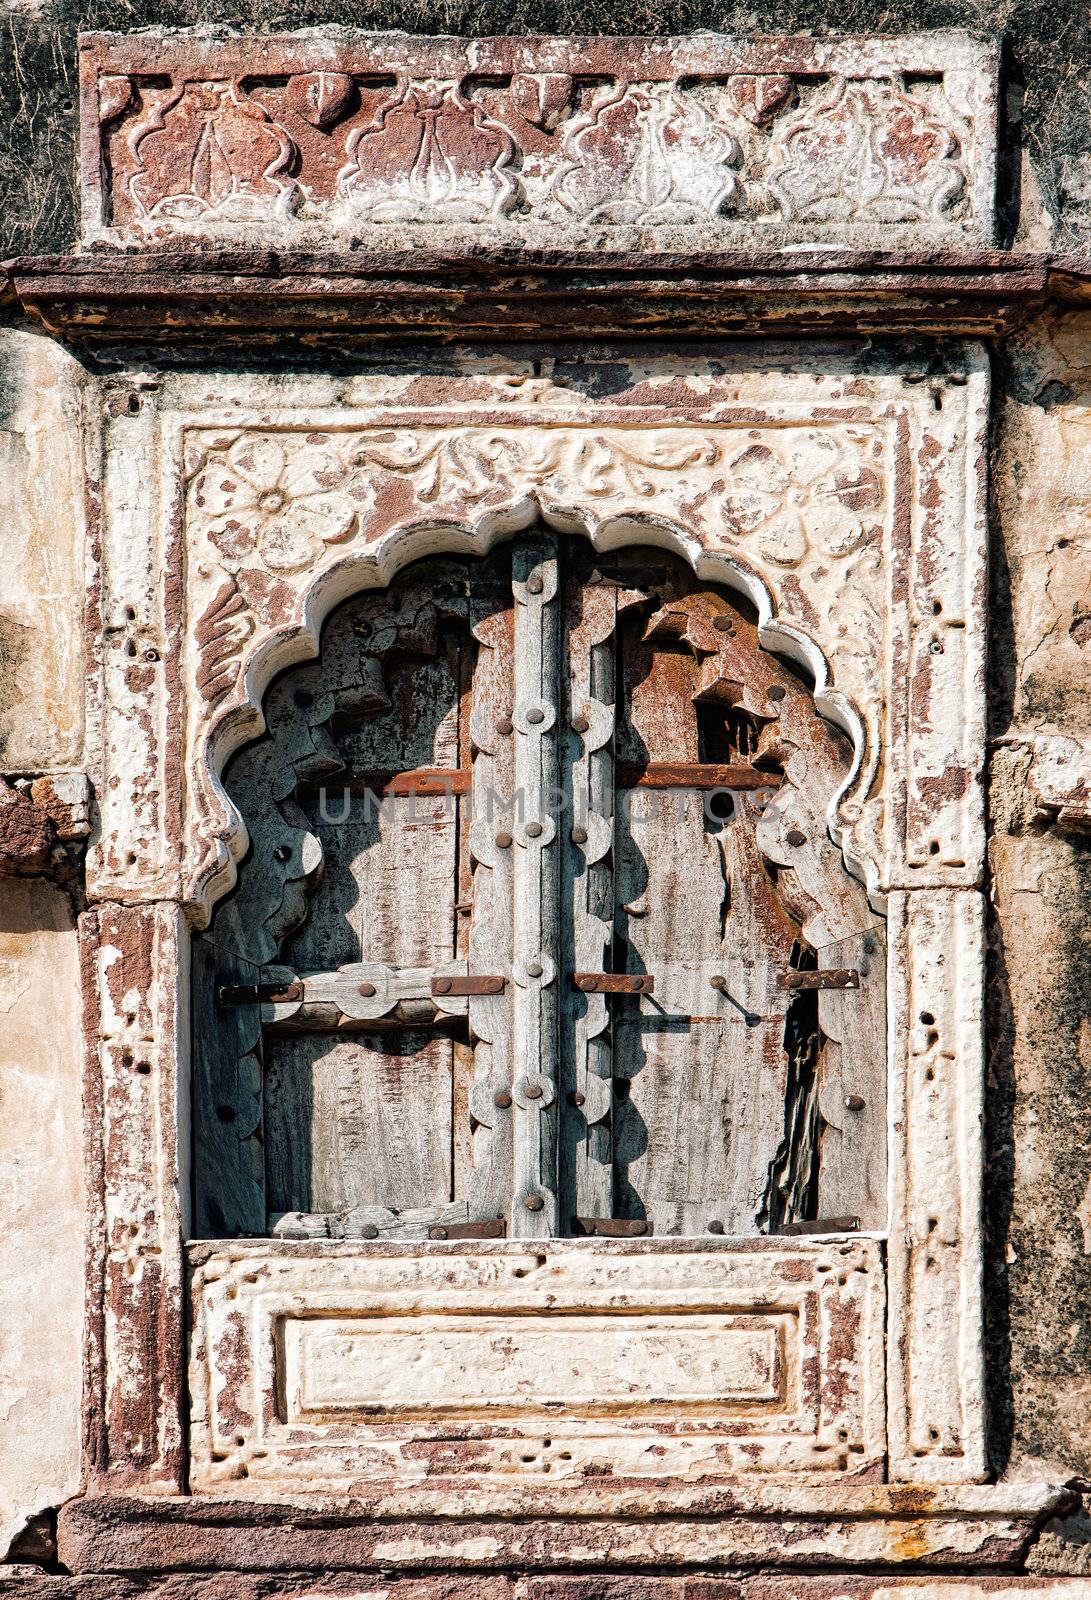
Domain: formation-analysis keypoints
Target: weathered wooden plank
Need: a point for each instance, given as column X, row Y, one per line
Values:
column 488, row 939
column 852, row 1100
column 366, row 1222
column 360, row 1122
column 587, row 896
column 229, row 1175
column 368, row 1120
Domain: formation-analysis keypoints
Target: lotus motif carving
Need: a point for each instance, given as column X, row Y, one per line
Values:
column 864, row 152
column 430, row 155
column 207, row 152
column 648, row 155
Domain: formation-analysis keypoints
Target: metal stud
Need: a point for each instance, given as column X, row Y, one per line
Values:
column 369, row 1231
column 715, row 1226
column 580, row 724
column 796, row 837
column 579, row 835
column 577, row 1098
column 854, row 1102
column 534, row 969
column 534, row 1202
column 367, row 990
column 535, row 715
column 504, row 725
column 503, row 840
column 534, row 830
column 535, row 583
column 533, row 1091
column 502, row 1099
column 776, row 692
column 441, row 986
column 718, row 982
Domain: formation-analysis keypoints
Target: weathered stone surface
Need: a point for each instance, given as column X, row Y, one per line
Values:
column 41, row 1203
column 607, row 1350
column 42, row 581
column 606, row 1526
column 1040, row 1174
column 24, row 1583
column 597, row 143
column 1039, row 1213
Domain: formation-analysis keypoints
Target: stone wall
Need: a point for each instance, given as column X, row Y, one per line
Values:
column 1039, row 1034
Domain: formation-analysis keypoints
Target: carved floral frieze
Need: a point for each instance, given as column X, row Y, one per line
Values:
column 268, row 509
column 558, row 143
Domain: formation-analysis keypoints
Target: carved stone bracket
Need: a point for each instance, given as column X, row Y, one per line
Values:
column 591, row 144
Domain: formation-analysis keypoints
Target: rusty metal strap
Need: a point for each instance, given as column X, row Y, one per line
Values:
column 256, row 994
column 821, row 1225
column 694, row 775
column 474, row 985
column 834, row 978
column 612, row 1227
column 424, row 781
column 469, row 1230
column 614, row 982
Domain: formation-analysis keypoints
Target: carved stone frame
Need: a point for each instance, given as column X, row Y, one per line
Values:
column 168, row 706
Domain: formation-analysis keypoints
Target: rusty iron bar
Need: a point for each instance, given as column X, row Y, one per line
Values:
column 834, row 978
column 821, row 1225
column 474, row 985
column 612, row 1227
column 436, row 782
column 469, row 1230
column 256, row 994
column 694, row 775
column 614, row 982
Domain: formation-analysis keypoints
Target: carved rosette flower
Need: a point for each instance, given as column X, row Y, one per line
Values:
column 809, row 497
column 279, row 501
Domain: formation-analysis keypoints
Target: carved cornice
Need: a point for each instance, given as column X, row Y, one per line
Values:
column 262, row 295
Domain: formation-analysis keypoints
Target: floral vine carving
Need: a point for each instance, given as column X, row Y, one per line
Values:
column 273, row 508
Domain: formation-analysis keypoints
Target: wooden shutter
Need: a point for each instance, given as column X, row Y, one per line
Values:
column 575, row 786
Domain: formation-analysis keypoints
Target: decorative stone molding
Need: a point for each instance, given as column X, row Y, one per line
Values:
column 814, row 517
column 791, row 1377
column 842, row 497
column 589, row 144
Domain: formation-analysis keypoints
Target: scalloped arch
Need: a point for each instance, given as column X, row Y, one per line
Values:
column 225, row 838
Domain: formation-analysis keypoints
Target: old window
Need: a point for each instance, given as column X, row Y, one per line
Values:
column 541, row 931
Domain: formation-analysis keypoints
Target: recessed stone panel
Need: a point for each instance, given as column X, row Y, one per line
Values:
column 616, row 145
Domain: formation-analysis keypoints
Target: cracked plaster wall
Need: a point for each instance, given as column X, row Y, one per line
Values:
column 41, row 728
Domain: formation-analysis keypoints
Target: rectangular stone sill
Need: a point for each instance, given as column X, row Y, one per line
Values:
column 733, row 1527
column 507, row 291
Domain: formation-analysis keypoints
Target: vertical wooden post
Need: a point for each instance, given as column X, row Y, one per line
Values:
column 536, row 969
